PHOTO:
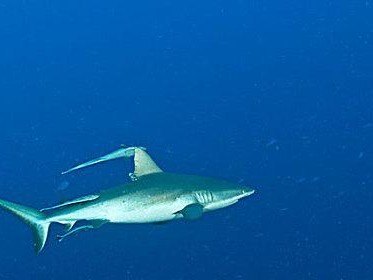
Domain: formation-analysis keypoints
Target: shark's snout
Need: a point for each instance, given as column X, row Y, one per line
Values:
column 247, row 191
column 224, row 198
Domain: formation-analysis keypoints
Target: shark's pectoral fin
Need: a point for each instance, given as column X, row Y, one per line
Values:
column 191, row 211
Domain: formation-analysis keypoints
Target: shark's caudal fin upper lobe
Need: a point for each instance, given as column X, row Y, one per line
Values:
column 34, row 218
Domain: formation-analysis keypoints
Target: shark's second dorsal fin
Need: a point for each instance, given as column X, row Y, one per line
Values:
column 144, row 164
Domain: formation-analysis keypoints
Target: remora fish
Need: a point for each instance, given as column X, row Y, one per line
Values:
column 153, row 196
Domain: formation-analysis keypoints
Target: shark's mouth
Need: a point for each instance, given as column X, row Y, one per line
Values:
column 220, row 204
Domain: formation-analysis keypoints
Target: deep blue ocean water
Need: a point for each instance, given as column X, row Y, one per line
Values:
column 274, row 95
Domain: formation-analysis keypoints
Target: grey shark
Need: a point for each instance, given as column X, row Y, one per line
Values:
column 152, row 196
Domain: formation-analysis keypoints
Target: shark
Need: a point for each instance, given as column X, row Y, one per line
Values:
column 150, row 196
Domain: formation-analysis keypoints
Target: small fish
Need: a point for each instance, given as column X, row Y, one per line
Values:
column 301, row 180
column 271, row 142
column 123, row 152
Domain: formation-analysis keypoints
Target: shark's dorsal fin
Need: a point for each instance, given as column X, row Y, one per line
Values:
column 144, row 164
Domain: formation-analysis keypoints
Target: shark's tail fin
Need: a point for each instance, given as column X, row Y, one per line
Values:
column 35, row 219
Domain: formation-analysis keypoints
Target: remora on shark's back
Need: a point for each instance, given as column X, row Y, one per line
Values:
column 152, row 196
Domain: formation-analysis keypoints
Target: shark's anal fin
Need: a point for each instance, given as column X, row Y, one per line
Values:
column 191, row 211
column 69, row 225
column 75, row 201
column 144, row 164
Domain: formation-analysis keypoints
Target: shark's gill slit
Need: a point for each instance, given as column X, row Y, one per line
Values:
column 204, row 197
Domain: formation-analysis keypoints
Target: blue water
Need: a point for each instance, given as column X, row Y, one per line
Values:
column 274, row 95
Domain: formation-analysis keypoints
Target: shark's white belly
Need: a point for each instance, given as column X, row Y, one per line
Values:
column 127, row 211
column 158, row 212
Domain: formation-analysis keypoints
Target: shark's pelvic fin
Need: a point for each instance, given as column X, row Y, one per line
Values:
column 35, row 219
column 78, row 200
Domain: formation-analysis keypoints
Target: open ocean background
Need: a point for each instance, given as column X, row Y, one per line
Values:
column 277, row 95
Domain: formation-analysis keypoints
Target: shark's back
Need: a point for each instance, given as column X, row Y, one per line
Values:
column 165, row 182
